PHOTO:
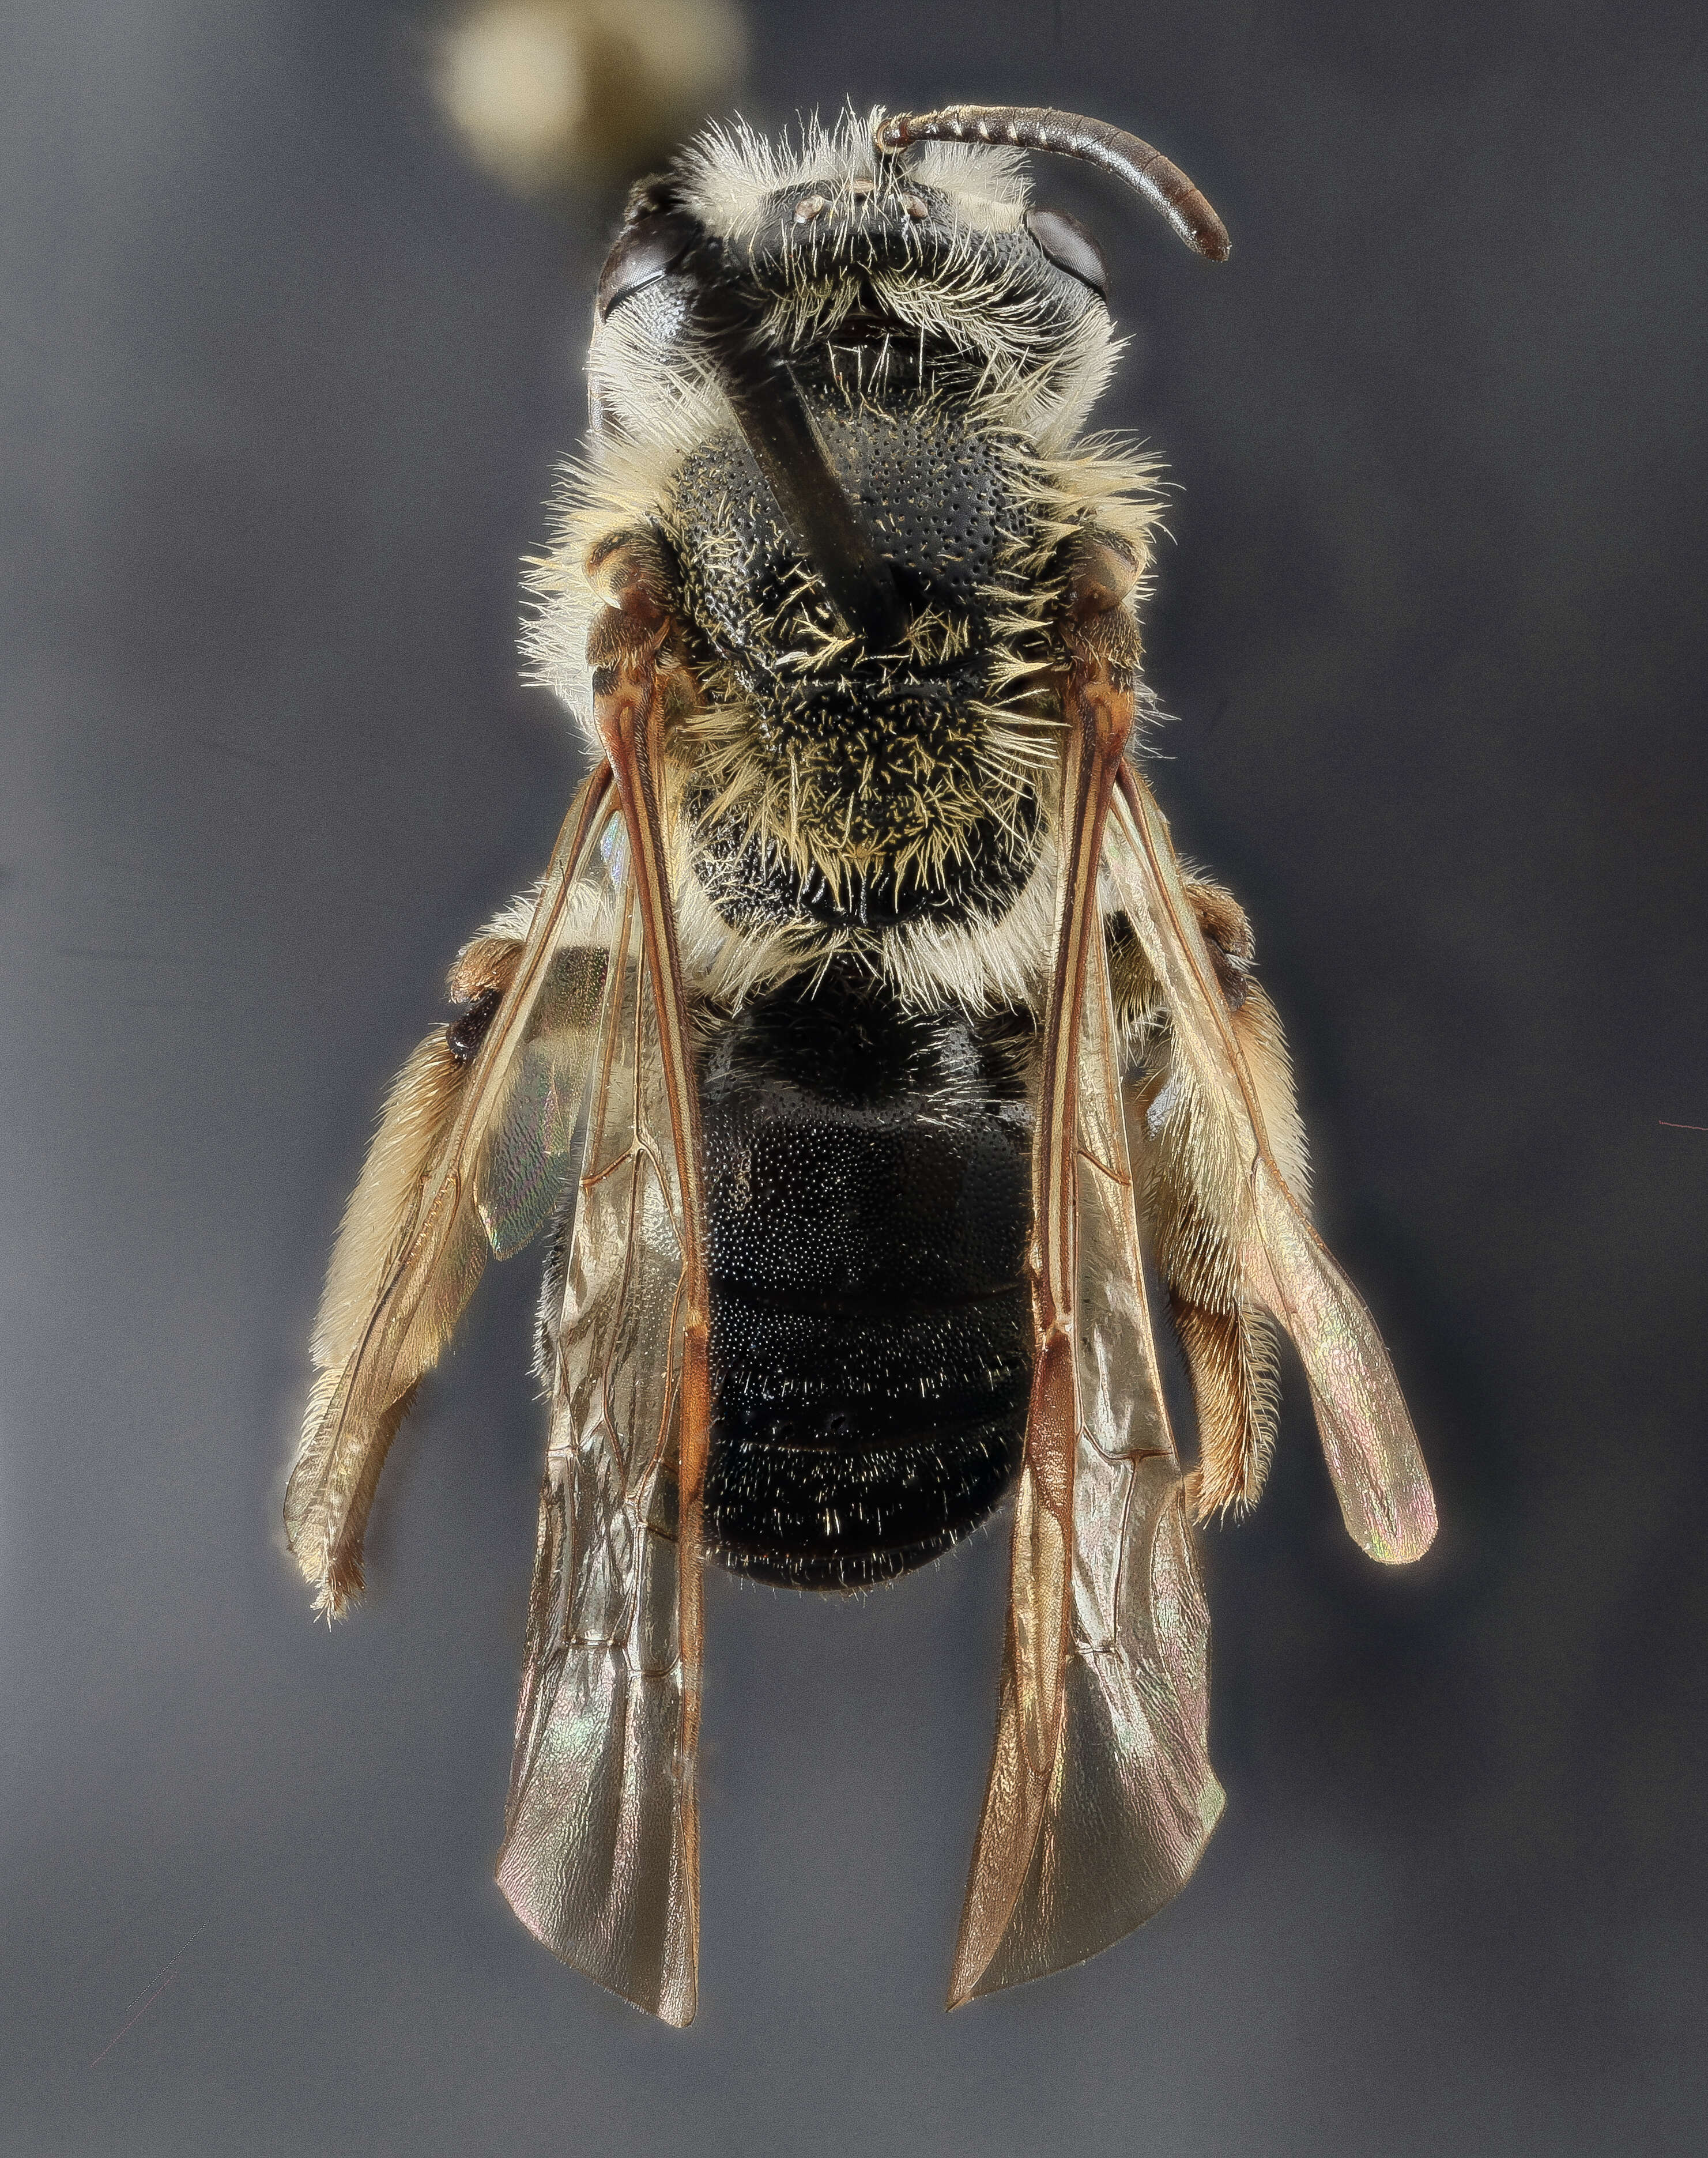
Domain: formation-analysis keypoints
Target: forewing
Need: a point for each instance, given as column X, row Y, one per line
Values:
column 467, row 1162
column 600, row 1854
column 1367, row 1435
column 1080, row 1846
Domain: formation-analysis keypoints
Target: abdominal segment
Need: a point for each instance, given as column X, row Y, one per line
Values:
column 868, row 1207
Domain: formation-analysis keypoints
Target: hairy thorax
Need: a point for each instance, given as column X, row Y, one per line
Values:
column 831, row 785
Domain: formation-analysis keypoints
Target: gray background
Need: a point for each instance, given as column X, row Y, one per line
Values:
column 283, row 383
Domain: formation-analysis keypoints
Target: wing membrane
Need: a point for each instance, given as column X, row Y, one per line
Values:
column 599, row 1858
column 1100, row 1795
column 1367, row 1436
column 1082, row 1842
column 470, row 1161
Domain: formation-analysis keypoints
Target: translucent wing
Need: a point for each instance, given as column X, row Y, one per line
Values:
column 1085, row 1837
column 468, row 1161
column 599, row 1858
column 1214, row 1103
column 1100, row 1795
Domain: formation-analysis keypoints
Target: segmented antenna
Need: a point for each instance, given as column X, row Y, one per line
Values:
column 1040, row 127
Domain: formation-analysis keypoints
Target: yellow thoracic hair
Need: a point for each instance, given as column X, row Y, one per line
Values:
column 1025, row 395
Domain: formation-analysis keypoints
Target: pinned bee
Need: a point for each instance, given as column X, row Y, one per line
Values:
column 863, row 1029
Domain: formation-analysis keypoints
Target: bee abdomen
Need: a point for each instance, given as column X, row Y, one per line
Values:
column 868, row 1198
column 851, row 1445
column 814, row 1518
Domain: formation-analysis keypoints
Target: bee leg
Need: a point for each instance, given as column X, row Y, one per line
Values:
column 1228, row 933
column 1225, row 1332
column 1132, row 984
column 383, row 1215
column 478, row 982
column 1230, row 1356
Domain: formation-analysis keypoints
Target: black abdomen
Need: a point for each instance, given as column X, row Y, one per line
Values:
column 867, row 1205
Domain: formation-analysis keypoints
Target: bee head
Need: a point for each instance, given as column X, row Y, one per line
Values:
column 892, row 255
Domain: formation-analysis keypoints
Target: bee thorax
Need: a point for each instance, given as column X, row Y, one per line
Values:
column 911, row 770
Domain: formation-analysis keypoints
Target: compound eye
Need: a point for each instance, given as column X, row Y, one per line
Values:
column 646, row 251
column 1070, row 247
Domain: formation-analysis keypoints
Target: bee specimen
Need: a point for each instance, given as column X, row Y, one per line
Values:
column 863, row 1031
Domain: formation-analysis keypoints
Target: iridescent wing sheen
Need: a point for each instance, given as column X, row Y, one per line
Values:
column 468, row 1160
column 600, row 1855
column 1213, row 1100
column 1102, row 1796
column 599, row 1858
